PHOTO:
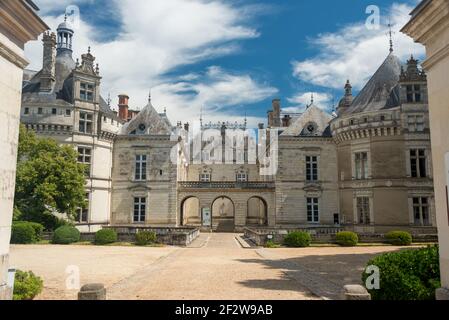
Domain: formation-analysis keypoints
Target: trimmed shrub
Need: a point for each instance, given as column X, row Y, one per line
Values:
column 407, row 275
column 23, row 233
column 66, row 235
column 298, row 240
column 38, row 228
column 399, row 238
column 347, row 239
column 145, row 238
column 27, row 286
column 271, row 245
column 105, row 236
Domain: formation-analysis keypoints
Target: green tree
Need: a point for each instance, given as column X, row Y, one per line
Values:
column 49, row 179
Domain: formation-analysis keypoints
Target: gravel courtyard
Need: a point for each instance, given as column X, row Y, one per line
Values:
column 214, row 267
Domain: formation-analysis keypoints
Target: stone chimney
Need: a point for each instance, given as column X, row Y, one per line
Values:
column 49, row 62
column 286, row 121
column 276, row 112
column 123, row 107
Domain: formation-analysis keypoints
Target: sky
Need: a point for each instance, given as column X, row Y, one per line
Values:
column 229, row 58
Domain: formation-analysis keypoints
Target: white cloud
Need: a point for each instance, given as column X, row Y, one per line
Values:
column 354, row 52
column 218, row 93
column 301, row 100
column 155, row 38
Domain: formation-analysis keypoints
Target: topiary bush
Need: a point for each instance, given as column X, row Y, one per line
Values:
column 399, row 238
column 145, row 238
column 38, row 228
column 347, row 239
column 23, row 233
column 407, row 275
column 105, row 236
column 27, row 286
column 66, row 235
column 298, row 240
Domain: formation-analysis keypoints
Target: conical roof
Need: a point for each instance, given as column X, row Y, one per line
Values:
column 147, row 122
column 382, row 90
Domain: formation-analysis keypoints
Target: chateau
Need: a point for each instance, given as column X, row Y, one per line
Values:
column 366, row 168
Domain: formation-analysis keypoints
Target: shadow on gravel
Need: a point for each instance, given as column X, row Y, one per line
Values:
column 323, row 276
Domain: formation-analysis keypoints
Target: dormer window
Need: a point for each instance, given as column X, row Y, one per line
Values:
column 413, row 93
column 141, row 129
column 87, row 91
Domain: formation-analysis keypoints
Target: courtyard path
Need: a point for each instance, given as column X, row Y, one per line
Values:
column 214, row 267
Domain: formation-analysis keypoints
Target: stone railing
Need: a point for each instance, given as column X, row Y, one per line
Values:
column 225, row 185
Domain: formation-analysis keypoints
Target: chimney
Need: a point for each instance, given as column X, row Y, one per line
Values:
column 261, row 126
column 286, row 121
column 49, row 62
column 186, row 127
column 276, row 112
column 123, row 107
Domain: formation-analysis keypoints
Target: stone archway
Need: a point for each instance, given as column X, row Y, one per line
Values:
column 257, row 212
column 223, row 214
column 190, row 212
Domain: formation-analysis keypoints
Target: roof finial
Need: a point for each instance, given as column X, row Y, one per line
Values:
column 109, row 99
column 65, row 16
column 165, row 110
column 88, row 49
column 390, row 34
column 312, row 99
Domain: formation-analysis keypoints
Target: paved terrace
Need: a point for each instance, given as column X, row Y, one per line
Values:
column 216, row 266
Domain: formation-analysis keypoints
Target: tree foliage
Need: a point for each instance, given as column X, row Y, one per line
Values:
column 49, row 180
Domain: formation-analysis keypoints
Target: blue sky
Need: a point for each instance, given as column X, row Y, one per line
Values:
column 229, row 58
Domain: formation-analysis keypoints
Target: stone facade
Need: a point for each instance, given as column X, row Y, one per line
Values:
column 367, row 168
column 429, row 25
column 14, row 33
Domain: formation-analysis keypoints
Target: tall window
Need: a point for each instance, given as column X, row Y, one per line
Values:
column 363, row 210
column 416, row 123
column 140, row 205
column 86, row 91
column 313, row 212
column 421, row 211
column 85, row 124
column 413, row 93
column 361, row 165
column 85, row 157
column 418, row 163
column 141, row 167
column 205, row 177
column 82, row 214
column 311, row 169
column 242, row 177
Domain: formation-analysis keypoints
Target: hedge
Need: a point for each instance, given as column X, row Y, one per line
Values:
column 66, row 235
column 23, row 233
column 27, row 286
column 105, row 236
column 298, row 240
column 407, row 275
column 347, row 239
column 399, row 238
column 145, row 238
column 38, row 228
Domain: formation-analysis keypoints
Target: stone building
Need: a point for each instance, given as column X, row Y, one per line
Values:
column 384, row 154
column 429, row 25
column 367, row 168
column 19, row 23
column 62, row 101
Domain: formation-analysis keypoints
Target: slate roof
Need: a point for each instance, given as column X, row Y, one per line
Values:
column 154, row 123
column 382, row 90
column 314, row 115
column 62, row 92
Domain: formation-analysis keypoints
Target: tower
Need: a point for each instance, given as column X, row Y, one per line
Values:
column 64, row 38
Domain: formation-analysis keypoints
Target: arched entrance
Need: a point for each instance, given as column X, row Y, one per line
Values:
column 190, row 212
column 223, row 214
column 257, row 214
